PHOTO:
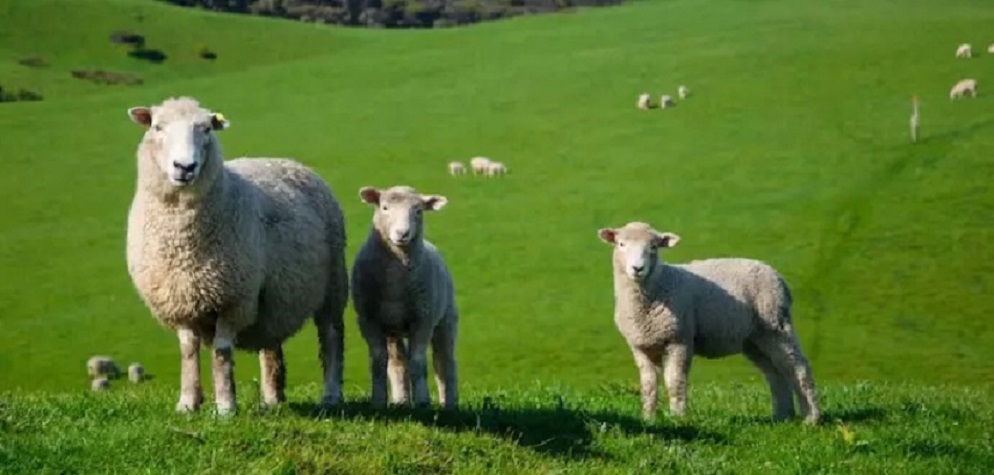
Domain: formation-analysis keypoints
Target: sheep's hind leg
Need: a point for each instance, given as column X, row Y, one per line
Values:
column 675, row 373
column 191, row 394
column 649, row 382
column 224, row 369
column 400, row 386
column 786, row 355
column 780, row 387
column 273, row 372
column 417, row 364
column 443, row 354
column 330, row 324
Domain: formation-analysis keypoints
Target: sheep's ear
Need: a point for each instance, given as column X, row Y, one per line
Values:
column 434, row 202
column 218, row 122
column 665, row 239
column 607, row 235
column 141, row 116
column 370, row 195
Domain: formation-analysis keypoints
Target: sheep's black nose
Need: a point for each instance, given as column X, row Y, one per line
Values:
column 638, row 269
column 188, row 168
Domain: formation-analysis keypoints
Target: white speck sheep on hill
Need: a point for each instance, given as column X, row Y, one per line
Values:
column 964, row 51
column 666, row 101
column 496, row 168
column 100, row 384
column 136, row 373
column 457, row 168
column 479, row 164
column 711, row 308
column 683, row 92
column 235, row 254
column 962, row 87
column 990, row 49
column 644, row 101
column 401, row 287
column 98, row 366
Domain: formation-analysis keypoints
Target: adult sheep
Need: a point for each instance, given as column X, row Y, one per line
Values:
column 644, row 101
column 962, row 87
column 479, row 164
column 401, row 288
column 964, row 50
column 712, row 308
column 233, row 254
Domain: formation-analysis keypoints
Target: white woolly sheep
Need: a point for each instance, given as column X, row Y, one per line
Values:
column 235, row 254
column 962, row 87
column 666, row 101
column 964, row 51
column 102, row 366
column 479, row 164
column 457, row 168
column 100, row 384
column 683, row 92
column 401, row 287
column 644, row 101
column 711, row 308
column 136, row 373
column 990, row 49
column 496, row 168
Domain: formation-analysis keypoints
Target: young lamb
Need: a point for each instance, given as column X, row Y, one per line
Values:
column 401, row 287
column 666, row 101
column 479, row 164
column 233, row 254
column 683, row 92
column 496, row 168
column 102, row 366
column 100, row 384
column 457, row 168
column 964, row 51
column 136, row 373
column 644, row 101
column 712, row 308
column 961, row 88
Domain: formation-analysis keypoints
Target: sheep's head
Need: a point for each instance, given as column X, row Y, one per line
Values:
column 179, row 139
column 399, row 215
column 636, row 246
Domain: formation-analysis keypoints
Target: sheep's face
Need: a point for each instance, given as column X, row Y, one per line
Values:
column 636, row 247
column 179, row 138
column 399, row 215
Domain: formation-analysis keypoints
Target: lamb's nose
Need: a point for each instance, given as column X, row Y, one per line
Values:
column 638, row 269
column 188, row 168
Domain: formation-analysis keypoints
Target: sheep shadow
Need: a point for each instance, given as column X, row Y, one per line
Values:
column 556, row 431
column 830, row 417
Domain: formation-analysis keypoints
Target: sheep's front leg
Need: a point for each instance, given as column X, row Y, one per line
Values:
column 224, row 369
column 191, row 395
column 676, row 372
column 417, row 364
column 377, row 345
column 649, row 379
column 273, row 372
column 400, row 386
column 443, row 355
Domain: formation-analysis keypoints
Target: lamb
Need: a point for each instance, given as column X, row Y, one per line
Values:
column 496, row 168
column 233, row 254
column 666, row 101
column 479, row 164
column 962, row 87
column 712, row 308
column 683, row 92
column 964, row 51
column 100, row 384
column 457, row 168
column 401, row 287
column 644, row 101
column 102, row 366
column 136, row 373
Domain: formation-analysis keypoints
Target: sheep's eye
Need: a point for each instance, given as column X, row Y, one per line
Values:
column 621, row 244
column 157, row 127
column 384, row 207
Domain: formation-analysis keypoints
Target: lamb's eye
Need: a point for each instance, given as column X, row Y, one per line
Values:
column 384, row 207
column 621, row 244
column 157, row 127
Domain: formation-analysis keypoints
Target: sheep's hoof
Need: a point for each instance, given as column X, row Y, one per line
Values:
column 329, row 401
column 812, row 420
column 224, row 411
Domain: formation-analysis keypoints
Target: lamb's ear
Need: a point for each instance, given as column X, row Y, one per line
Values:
column 141, row 116
column 218, row 122
column 665, row 239
column 434, row 202
column 607, row 235
column 370, row 195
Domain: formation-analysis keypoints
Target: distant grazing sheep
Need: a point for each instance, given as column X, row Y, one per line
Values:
column 712, row 308
column 100, row 384
column 666, row 101
column 496, row 168
column 964, row 51
column 457, row 168
column 963, row 87
column 236, row 253
column 136, row 373
column 102, row 366
column 990, row 49
column 644, row 101
column 683, row 92
column 401, row 287
column 479, row 164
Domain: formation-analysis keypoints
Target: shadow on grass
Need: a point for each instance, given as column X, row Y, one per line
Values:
column 558, row 431
column 863, row 414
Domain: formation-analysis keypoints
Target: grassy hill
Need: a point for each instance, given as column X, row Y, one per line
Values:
column 793, row 149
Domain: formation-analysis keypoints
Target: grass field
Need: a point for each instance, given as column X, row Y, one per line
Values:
column 793, row 149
